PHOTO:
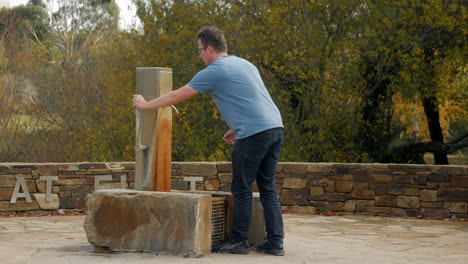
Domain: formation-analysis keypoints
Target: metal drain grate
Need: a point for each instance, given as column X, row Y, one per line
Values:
column 218, row 219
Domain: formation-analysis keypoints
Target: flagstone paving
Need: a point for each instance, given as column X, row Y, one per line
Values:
column 309, row 239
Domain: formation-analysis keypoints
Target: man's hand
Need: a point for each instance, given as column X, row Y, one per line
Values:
column 139, row 102
column 229, row 137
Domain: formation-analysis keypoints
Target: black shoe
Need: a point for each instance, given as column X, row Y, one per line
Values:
column 275, row 250
column 231, row 247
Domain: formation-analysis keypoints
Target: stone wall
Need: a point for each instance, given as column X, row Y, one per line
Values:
column 372, row 189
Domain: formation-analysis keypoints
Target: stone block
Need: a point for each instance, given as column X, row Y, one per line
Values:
column 337, row 197
column 458, row 207
column 385, row 200
column 362, row 205
column 341, row 177
column 6, row 193
column 452, row 170
column 47, row 169
column 363, row 194
column 224, row 166
column 343, row 186
column 432, row 205
column 68, row 203
column 292, row 167
column 92, row 166
column 381, row 178
column 396, row 189
column 69, row 182
column 198, row 169
column 212, row 185
column 294, row 197
column 428, row 195
column 380, row 188
column 361, row 175
column 53, row 204
column 432, row 185
column 81, row 190
column 317, row 181
column 108, row 185
column 412, row 192
column 116, row 166
column 402, row 178
column 163, row 222
column 336, row 206
column 18, row 206
column 130, row 165
column 281, row 175
column 225, row 187
column 179, row 185
column 319, row 205
column 299, row 209
column 225, row 177
column 380, row 210
column 318, row 168
column 176, row 172
column 70, row 175
column 7, row 181
column 398, row 212
column 65, row 193
column 68, row 167
column 408, row 202
column 459, row 181
column 350, row 206
column 4, row 170
column 436, row 177
column 330, row 187
column 342, row 171
column 316, row 191
column 294, row 183
column 419, row 179
column 453, row 192
column 21, row 169
column 435, row 213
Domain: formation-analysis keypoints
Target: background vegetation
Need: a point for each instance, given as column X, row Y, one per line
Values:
column 355, row 80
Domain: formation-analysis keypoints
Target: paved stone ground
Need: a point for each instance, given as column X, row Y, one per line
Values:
column 309, row 239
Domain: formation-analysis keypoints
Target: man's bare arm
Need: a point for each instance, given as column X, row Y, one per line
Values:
column 168, row 99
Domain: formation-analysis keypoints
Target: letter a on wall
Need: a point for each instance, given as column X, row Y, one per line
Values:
column 20, row 182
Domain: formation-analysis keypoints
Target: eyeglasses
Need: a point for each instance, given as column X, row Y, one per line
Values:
column 200, row 50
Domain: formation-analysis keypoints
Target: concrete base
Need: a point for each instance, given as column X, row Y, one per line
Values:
column 159, row 222
column 177, row 223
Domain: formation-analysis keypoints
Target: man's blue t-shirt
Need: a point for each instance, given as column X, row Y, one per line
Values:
column 242, row 98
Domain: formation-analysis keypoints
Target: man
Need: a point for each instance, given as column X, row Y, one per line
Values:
column 256, row 130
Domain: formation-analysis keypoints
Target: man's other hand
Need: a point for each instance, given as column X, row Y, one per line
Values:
column 229, row 137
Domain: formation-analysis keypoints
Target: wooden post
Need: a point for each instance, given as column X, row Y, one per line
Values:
column 153, row 148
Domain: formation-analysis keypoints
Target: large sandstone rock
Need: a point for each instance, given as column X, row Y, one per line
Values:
column 160, row 222
column 53, row 204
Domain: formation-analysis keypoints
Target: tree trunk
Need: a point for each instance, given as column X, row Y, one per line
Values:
column 431, row 109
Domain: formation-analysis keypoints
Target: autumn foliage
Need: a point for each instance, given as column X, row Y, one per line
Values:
column 355, row 80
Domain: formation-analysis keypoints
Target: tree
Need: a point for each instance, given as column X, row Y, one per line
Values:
column 407, row 41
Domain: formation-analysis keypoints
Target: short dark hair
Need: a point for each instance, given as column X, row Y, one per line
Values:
column 214, row 37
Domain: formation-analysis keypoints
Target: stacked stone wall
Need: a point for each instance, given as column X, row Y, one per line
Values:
column 371, row 189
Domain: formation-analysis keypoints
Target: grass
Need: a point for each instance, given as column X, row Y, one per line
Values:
column 454, row 159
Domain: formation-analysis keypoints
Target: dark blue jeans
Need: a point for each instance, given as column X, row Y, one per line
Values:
column 256, row 158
